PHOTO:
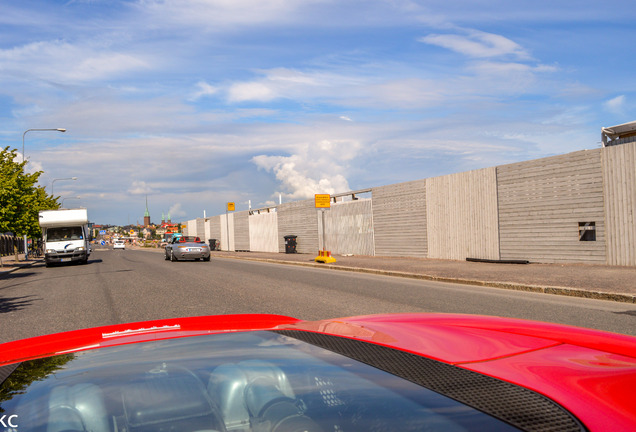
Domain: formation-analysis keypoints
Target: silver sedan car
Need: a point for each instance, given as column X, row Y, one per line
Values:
column 187, row 248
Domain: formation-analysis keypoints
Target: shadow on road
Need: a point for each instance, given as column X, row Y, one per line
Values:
column 12, row 304
column 15, row 275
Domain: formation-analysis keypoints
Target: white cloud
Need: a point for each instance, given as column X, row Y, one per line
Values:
column 477, row 44
column 316, row 168
column 253, row 91
column 64, row 62
column 176, row 211
column 616, row 105
column 203, row 89
column 140, row 188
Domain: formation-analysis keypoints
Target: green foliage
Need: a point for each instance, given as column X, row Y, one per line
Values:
column 30, row 372
column 20, row 197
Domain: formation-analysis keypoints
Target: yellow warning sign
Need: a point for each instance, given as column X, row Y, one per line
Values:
column 323, row 200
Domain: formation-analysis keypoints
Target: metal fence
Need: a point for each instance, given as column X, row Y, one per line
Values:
column 8, row 243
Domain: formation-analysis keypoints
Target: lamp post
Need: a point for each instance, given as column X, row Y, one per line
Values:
column 54, row 180
column 75, row 197
column 29, row 130
column 26, row 249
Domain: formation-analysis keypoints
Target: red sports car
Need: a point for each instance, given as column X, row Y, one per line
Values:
column 395, row 372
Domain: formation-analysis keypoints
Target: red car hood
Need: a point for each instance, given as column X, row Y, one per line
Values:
column 589, row 372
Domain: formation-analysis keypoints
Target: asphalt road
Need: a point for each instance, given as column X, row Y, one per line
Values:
column 125, row 286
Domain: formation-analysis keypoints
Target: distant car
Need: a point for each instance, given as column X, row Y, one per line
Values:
column 119, row 244
column 187, row 248
column 272, row 373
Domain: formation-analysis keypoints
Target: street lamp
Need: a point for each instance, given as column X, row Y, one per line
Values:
column 26, row 250
column 75, row 197
column 29, row 130
column 54, row 180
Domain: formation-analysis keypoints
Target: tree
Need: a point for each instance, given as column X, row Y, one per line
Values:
column 21, row 198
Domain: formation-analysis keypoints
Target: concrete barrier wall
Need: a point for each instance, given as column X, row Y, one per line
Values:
column 300, row 219
column 242, row 231
column 462, row 217
column 214, row 229
column 619, row 189
column 578, row 207
column 542, row 204
column 227, row 232
column 264, row 232
column 399, row 219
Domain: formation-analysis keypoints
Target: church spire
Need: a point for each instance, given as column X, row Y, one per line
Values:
column 147, row 214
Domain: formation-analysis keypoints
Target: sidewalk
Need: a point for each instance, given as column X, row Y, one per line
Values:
column 577, row 280
column 9, row 264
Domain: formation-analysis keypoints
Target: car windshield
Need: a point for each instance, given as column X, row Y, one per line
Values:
column 256, row 381
column 189, row 239
column 64, row 233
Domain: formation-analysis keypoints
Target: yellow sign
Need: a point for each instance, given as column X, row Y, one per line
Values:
column 323, row 200
column 230, row 206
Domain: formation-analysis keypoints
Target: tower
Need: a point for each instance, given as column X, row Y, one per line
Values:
column 147, row 214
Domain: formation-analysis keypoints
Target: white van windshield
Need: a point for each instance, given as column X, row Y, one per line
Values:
column 64, row 233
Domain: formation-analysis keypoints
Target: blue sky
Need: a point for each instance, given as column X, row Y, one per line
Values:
column 195, row 103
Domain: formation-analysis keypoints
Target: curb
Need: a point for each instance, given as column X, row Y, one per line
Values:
column 554, row 290
column 17, row 267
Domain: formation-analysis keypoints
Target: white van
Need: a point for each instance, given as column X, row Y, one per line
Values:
column 66, row 235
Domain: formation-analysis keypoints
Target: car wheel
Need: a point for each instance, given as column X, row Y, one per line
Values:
column 206, row 258
column 172, row 257
column 166, row 256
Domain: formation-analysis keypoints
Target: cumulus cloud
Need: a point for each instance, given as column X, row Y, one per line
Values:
column 477, row 44
column 317, row 168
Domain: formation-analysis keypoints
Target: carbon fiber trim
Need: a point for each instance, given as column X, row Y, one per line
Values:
column 518, row 406
column 7, row 370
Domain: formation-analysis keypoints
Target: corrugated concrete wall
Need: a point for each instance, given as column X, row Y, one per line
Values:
column 264, row 232
column 191, row 228
column 200, row 228
column 541, row 204
column 619, row 180
column 300, row 219
column 544, row 210
column 462, row 217
column 214, row 230
column 227, row 227
column 399, row 219
column 349, row 228
column 242, row 231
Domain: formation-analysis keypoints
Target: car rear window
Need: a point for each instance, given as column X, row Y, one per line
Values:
column 239, row 381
